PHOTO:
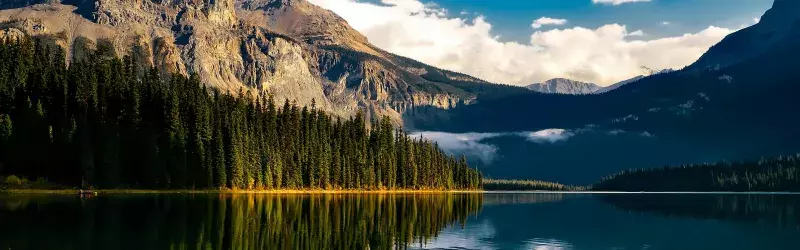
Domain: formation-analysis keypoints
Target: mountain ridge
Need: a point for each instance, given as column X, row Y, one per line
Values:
column 754, row 40
column 573, row 87
column 291, row 49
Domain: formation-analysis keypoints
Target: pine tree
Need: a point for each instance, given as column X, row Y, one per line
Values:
column 113, row 123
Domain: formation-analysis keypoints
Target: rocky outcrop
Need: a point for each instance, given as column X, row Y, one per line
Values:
column 564, row 86
column 289, row 48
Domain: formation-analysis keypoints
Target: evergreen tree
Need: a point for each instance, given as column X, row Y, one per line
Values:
column 116, row 123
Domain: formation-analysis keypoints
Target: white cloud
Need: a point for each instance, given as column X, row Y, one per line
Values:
column 636, row 33
column 538, row 23
column 665, row 23
column 548, row 135
column 467, row 143
column 617, row 2
column 603, row 55
column 474, row 145
column 756, row 20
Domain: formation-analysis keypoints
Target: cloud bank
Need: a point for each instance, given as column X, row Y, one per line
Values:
column 469, row 144
column 604, row 55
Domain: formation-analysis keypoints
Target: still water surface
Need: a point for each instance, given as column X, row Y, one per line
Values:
column 445, row 221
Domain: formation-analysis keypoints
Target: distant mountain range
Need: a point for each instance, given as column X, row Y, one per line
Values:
column 572, row 87
column 648, row 72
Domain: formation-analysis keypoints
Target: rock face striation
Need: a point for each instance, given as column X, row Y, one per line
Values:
column 291, row 49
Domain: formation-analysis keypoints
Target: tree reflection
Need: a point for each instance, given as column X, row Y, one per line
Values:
column 233, row 221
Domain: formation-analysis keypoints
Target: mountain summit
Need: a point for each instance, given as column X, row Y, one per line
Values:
column 773, row 26
column 288, row 48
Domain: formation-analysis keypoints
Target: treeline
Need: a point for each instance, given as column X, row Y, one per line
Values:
column 773, row 174
column 526, row 185
column 110, row 123
column 233, row 221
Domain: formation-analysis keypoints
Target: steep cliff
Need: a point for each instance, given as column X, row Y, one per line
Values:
column 289, row 48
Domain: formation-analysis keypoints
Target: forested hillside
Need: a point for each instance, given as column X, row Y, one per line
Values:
column 774, row 174
column 104, row 122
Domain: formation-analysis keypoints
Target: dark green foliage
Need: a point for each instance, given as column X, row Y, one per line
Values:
column 775, row 174
column 104, row 122
column 524, row 185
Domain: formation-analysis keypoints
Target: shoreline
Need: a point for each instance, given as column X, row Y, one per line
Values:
column 230, row 191
column 349, row 191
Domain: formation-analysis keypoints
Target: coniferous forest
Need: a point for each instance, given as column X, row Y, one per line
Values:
column 780, row 174
column 107, row 122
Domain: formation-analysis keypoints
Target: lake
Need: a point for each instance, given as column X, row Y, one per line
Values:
column 418, row 221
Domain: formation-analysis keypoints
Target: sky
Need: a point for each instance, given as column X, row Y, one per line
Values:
column 521, row 42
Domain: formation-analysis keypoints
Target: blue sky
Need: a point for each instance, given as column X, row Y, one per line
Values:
column 512, row 18
column 502, row 41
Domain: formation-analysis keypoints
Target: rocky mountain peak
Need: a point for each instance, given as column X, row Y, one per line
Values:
column 307, row 22
column 564, row 86
column 291, row 49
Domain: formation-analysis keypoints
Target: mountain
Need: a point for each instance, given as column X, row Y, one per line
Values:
column 772, row 28
column 646, row 72
column 742, row 109
column 289, row 48
column 572, row 87
column 564, row 86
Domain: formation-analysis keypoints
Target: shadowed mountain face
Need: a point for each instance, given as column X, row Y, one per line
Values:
column 289, row 48
column 774, row 26
column 740, row 110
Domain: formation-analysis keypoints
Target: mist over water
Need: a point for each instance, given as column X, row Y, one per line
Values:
column 475, row 145
column 576, row 157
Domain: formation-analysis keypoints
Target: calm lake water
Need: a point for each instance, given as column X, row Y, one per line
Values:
column 447, row 221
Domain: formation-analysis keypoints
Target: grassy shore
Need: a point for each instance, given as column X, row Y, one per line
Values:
column 229, row 191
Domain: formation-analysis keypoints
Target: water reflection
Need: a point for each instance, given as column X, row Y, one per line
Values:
column 231, row 221
column 463, row 221
column 547, row 244
column 592, row 221
column 779, row 211
column 522, row 198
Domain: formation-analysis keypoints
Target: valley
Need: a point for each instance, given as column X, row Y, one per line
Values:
column 728, row 106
